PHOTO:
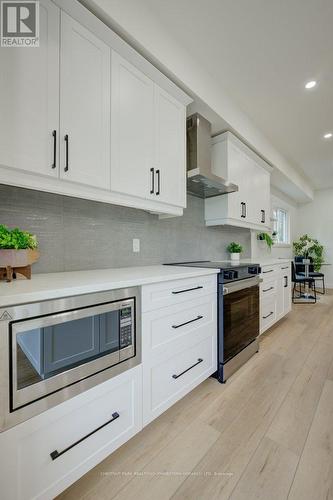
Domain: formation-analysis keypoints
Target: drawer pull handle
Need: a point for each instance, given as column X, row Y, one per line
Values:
column 268, row 289
column 270, row 271
column 287, row 267
column 187, row 322
column 56, row 454
column 268, row 315
column 187, row 290
column 200, row 360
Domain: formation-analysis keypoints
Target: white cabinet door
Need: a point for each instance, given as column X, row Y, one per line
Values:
column 237, row 207
column 259, row 197
column 287, row 293
column 132, row 137
column 283, row 296
column 84, row 106
column 29, row 100
column 280, row 297
column 170, row 130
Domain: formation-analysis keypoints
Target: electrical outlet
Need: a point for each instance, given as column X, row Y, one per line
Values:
column 136, row 245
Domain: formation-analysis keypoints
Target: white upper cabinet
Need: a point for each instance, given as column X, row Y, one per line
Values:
column 85, row 115
column 170, row 167
column 29, row 100
column 250, row 205
column 147, row 137
column 85, row 106
column 132, row 138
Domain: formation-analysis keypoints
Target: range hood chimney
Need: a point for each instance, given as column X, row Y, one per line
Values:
column 201, row 182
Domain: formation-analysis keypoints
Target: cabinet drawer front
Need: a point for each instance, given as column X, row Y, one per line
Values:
column 267, row 313
column 175, row 292
column 268, row 288
column 174, row 328
column 167, row 382
column 269, row 273
column 77, row 439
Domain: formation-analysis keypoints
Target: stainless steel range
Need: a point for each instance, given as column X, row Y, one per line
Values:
column 238, row 313
column 53, row 350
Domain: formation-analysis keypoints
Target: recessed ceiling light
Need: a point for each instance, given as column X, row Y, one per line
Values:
column 310, row 84
column 328, row 135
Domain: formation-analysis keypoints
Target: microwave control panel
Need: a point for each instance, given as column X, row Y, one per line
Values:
column 126, row 327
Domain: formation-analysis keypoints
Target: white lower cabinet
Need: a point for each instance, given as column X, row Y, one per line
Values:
column 43, row 456
column 275, row 294
column 179, row 348
column 29, row 472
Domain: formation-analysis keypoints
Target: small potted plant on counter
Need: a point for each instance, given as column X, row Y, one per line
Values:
column 235, row 249
column 18, row 250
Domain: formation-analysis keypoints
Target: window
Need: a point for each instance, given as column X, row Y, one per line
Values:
column 281, row 226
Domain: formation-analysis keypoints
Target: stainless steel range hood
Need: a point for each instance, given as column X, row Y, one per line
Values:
column 201, row 182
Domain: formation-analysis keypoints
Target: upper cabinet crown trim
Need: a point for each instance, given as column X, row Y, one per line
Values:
column 101, row 26
column 230, row 137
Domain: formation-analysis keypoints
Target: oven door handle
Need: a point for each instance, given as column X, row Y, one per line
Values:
column 237, row 286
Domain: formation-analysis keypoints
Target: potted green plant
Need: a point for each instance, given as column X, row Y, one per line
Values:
column 266, row 238
column 309, row 247
column 18, row 249
column 235, row 249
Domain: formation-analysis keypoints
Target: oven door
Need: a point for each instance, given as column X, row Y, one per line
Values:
column 240, row 316
column 55, row 351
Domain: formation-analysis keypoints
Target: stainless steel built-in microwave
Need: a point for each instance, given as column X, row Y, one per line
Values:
column 53, row 350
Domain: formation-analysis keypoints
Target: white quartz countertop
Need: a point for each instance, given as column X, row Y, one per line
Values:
column 56, row 285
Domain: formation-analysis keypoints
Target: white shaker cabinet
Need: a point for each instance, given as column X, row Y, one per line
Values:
column 250, row 205
column 283, row 305
column 132, row 138
column 85, row 115
column 84, row 106
column 29, row 100
column 275, row 294
column 147, row 139
column 170, row 140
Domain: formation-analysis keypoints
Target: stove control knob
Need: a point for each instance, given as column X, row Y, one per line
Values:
column 230, row 275
column 253, row 270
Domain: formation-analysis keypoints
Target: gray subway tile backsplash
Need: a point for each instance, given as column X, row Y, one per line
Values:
column 76, row 234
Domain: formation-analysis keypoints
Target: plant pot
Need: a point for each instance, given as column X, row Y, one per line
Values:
column 235, row 256
column 18, row 258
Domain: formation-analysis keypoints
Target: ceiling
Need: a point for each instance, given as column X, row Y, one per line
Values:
column 262, row 53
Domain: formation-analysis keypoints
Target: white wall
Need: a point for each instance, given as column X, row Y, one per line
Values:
column 259, row 249
column 316, row 219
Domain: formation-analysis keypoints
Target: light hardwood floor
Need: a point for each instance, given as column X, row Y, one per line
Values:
column 266, row 434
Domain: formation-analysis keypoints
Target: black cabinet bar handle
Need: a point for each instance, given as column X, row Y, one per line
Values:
column 270, row 271
column 242, row 209
column 152, row 185
column 200, row 360
column 268, row 289
column 268, row 315
column 54, row 134
column 263, row 216
column 187, row 290
column 245, row 210
column 286, row 281
column 158, row 173
column 287, row 267
column 187, row 322
column 56, row 454
column 66, row 153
